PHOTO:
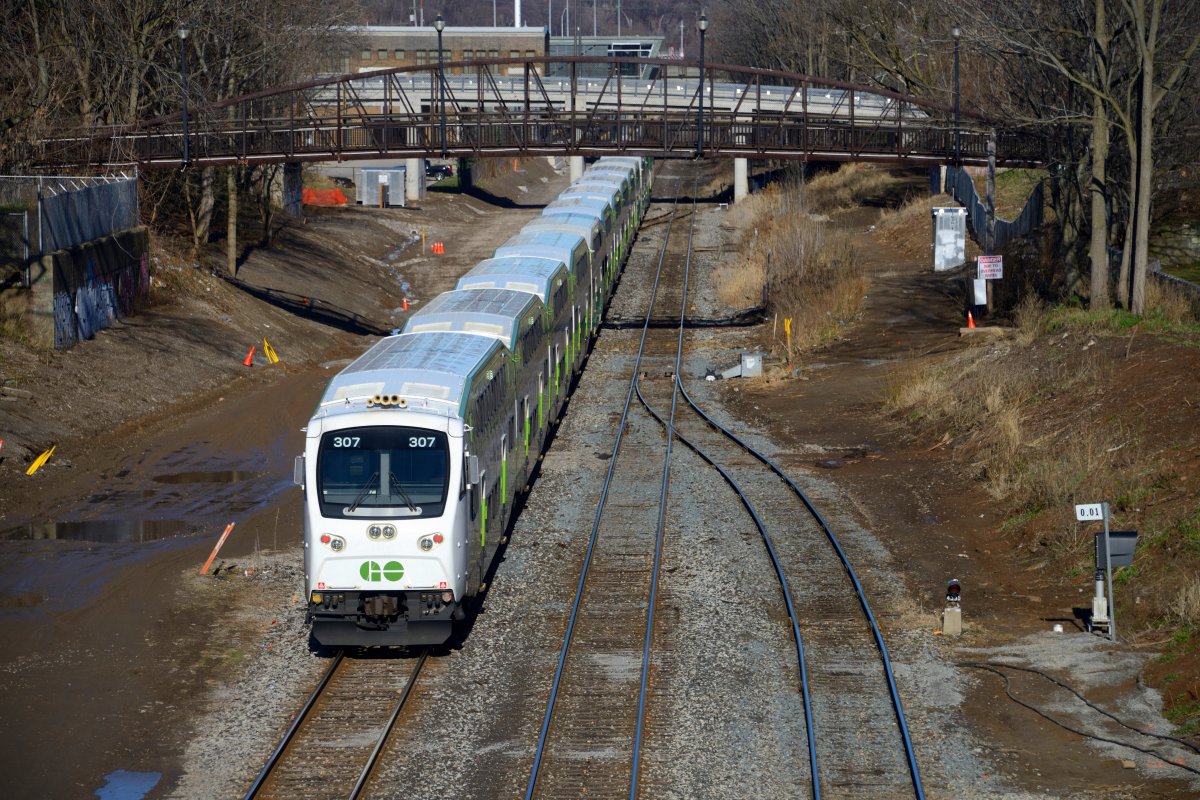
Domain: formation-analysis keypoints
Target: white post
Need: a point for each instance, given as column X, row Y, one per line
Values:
column 576, row 164
column 741, row 179
column 1112, row 608
column 414, row 180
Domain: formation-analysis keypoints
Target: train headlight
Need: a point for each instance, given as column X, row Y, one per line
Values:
column 426, row 544
column 447, row 597
column 389, row 531
column 375, row 531
column 337, row 544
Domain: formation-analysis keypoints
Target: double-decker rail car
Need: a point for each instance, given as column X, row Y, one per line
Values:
column 417, row 449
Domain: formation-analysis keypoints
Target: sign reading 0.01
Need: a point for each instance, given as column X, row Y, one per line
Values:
column 1089, row 512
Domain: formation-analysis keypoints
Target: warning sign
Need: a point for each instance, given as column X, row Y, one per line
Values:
column 990, row 267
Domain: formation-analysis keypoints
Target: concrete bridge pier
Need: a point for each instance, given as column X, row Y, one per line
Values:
column 414, row 180
column 293, row 189
column 576, row 168
column 741, row 179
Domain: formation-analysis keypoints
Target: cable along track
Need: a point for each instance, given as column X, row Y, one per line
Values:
column 335, row 741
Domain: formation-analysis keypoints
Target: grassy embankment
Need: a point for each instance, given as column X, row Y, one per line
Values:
column 808, row 266
column 1079, row 407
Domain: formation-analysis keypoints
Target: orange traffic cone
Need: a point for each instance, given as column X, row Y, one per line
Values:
column 249, row 362
column 406, row 304
column 970, row 319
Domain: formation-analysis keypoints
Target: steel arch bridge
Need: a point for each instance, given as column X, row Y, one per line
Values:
column 573, row 106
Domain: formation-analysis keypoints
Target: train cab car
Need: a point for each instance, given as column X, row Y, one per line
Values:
column 400, row 461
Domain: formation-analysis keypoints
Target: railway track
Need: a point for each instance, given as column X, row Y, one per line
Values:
column 332, row 746
column 595, row 739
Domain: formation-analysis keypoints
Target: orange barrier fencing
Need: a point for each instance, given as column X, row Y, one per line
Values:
column 323, row 197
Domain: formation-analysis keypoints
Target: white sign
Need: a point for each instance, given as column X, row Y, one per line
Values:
column 980, row 286
column 383, row 179
column 1089, row 512
column 990, row 267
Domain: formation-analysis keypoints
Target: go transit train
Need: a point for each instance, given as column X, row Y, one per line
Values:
column 416, row 450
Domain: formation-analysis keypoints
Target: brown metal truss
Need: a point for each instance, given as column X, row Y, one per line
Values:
column 514, row 107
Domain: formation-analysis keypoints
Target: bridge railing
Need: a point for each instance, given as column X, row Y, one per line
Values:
column 504, row 107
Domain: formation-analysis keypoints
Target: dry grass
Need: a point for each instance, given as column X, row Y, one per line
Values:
column 847, row 187
column 1169, row 303
column 1186, row 607
column 980, row 400
column 811, row 272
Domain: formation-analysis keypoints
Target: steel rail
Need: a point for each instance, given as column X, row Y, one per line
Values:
column 575, row 605
column 769, row 543
column 897, row 707
column 290, row 734
column 387, row 729
column 672, row 432
column 662, row 502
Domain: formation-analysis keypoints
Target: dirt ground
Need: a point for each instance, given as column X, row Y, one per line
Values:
column 164, row 437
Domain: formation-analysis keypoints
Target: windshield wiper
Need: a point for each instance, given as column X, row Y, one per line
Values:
column 362, row 494
column 399, row 489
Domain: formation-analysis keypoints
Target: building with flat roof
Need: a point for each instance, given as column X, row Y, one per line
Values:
column 390, row 46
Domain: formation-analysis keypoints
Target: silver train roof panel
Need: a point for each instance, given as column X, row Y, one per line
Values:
column 532, row 275
column 428, row 369
column 585, row 225
column 557, row 244
column 579, row 204
column 497, row 313
column 606, row 193
column 624, row 177
column 636, row 164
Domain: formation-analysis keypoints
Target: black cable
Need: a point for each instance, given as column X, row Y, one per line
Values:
column 993, row 667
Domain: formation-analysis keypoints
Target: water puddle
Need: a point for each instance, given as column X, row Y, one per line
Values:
column 125, row 785
column 223, row 476
column 104, row 531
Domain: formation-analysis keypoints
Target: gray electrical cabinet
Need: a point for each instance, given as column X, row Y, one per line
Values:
column 381, row 186
column 949, row 238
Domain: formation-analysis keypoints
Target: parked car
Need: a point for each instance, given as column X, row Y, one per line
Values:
column 438, row 171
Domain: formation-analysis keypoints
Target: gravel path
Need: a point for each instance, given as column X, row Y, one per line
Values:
column 725, row 715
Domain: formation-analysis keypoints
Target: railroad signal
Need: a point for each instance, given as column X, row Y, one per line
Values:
column 954, row 591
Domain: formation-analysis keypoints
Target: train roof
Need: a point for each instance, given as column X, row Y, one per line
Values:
column 427, row 369
column 636, row 163
column 562, row 245
column 534, row 275
column 609, row 190
column 606, row 176
column 579, row 204
column 499, row 313
column 585, row 225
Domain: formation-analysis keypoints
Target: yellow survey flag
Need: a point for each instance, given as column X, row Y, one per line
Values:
column 41, row 460
column 270, row 351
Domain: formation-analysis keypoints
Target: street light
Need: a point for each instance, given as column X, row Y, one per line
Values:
column 440, row 25
column 956, row 32
column 183, row 35
column 702, row 24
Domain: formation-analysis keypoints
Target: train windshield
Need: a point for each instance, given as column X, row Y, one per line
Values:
column 383, row 472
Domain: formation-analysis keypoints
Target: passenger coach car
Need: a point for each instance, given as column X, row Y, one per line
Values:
column 416, row 450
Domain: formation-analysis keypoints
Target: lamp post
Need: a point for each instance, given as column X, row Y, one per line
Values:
column 956, row 32
column 183, row 35
column 702, row 24
column 440, row 25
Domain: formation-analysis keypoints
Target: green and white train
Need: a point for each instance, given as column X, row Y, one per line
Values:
column 417, row 449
